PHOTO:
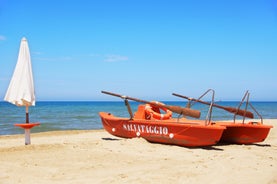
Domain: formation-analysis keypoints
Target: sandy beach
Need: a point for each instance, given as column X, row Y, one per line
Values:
column 95, row 156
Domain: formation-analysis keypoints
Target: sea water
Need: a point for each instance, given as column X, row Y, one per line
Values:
column 64, row 115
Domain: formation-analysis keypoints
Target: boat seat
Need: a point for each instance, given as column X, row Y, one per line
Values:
column 140, row 114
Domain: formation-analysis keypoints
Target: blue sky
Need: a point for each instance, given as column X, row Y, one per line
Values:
column 142, row 48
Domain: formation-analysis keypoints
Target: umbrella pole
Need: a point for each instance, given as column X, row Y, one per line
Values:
column 27, row 114
column 27, row 130
column 27, row 136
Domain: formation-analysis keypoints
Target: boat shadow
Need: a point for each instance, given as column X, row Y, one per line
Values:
column 196, row 147
column 260, row 145
column 253, row 144
column 209, row 148
column 218, row 147
column 201, row 147
column 212, row 148
column 110, row 139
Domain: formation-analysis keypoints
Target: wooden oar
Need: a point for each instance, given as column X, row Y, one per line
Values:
column 229, row 109
column 175, row 109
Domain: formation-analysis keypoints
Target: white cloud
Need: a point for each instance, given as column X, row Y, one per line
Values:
column 115, row 58
column 2, row 38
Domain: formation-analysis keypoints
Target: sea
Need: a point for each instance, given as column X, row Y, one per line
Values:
column 82, row 115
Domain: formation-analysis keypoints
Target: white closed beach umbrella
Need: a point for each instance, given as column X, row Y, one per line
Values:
column 21, row 90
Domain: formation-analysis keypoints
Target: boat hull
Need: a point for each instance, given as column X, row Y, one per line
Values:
column 182, row 133
column 244, row 133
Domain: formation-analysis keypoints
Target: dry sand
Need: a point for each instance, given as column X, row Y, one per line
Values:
column 98, row 157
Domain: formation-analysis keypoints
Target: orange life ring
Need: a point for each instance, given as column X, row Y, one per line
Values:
column 154, row 111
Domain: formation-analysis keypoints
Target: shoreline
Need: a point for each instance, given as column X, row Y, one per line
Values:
column 83, row 156
column 102, row 129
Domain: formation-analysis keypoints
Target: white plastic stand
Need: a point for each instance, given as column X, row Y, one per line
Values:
column 27, row 136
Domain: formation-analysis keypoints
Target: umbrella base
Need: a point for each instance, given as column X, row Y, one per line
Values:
column 27, row 127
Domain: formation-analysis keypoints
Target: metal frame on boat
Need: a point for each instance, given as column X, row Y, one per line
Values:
column 238, row 132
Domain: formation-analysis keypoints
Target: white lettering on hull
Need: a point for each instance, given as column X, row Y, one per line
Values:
column 152, row 129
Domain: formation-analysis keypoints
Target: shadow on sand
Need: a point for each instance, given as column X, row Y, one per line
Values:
column 110, row 139
column 253, row 144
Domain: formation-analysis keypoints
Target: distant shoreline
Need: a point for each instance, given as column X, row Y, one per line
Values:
column 120, row 100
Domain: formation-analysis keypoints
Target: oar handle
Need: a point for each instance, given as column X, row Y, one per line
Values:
column 124, row 97
column 229, row 109
column 175, row 109
column 113, row 94
column 239, row 112
column 193, row 99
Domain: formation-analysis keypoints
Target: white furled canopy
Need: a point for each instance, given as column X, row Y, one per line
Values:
column 21, row 89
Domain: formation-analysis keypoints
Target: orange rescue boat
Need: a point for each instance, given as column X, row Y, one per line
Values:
column 157, row 127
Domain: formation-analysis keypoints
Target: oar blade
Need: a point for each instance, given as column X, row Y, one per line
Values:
column 240, row 112
column 184, row 111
